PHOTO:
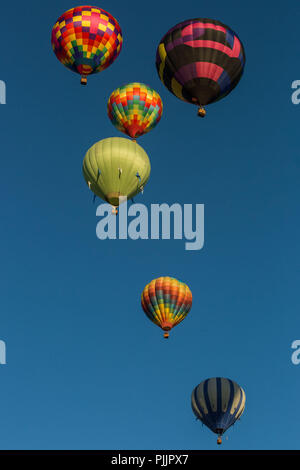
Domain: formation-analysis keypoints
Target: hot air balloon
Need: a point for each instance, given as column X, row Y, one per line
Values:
column 218, row 403
column 166, row 302
column 116, row 167
column 200, row 61
column 87, row 40
column 134, row 109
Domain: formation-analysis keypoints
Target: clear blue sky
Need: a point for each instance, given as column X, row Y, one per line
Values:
column 85, row 367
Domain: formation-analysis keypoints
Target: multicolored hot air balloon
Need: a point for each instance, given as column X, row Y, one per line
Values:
column 134, row 109
column 200, row 61
column 87, row 40
column 218, row 403
column 116, row 167
column 166, row 302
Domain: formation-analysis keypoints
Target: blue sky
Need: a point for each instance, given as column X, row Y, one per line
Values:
column 85, row 367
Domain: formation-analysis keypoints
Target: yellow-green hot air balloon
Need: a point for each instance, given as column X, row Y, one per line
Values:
column 116, row 167
column 218, row 402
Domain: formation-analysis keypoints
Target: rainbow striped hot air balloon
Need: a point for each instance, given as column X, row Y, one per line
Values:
column 166, row 302
column 134, row 109
column 87, row 40
column 200, row 61
column 218, row 402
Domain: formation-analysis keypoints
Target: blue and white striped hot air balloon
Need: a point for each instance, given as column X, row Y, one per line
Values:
column 218, row 403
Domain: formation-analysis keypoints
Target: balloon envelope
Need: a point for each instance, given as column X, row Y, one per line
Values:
column 86, row 39
column 134, row 109
column 200, row 60
column 218, row 403
column 116, row 167
column 166, row 302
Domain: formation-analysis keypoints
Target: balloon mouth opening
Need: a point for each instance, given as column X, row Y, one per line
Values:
column 84, row 66
column 113, row 199
column 133, row 132
column 166, row 326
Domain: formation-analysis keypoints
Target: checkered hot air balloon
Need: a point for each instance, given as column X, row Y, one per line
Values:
column 218, row 402
column 134, row 109
column 200, row 61
column 166, row 302
column 87, row 40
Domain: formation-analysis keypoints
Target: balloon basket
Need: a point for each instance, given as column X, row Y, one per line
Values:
column 83, row 80
column 201, row 112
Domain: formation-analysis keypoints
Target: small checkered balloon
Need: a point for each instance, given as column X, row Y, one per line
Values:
column 134, row 109
column 86, row 39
